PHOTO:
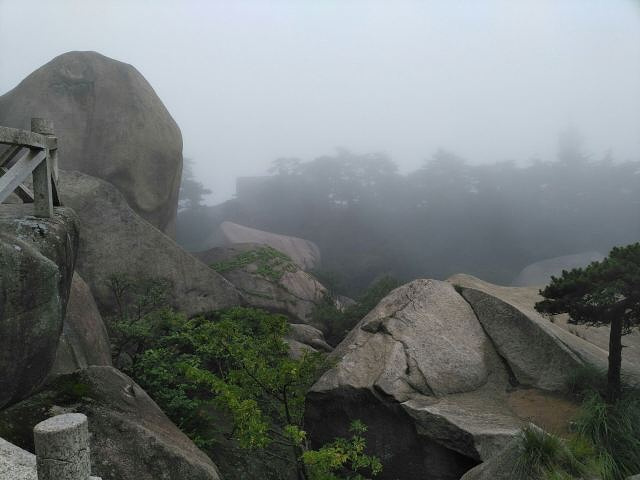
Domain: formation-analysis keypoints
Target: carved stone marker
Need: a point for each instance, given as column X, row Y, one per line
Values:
column 62, row 448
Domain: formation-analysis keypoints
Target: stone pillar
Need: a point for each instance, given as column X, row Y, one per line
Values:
column 42, row 194
column 62, row 448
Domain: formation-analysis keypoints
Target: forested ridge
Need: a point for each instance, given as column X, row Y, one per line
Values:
column 449, row 216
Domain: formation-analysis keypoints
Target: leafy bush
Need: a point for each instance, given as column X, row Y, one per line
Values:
column 236, row 361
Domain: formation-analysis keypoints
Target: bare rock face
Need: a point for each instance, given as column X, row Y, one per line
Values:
column 115, row 240
column 131, row 439
column 539, row 352
column 422, row 374
column 16, row 463
column 304, row 253
column 305, row 338
column 268, row 279
column 501, row 466
column 84, row 340
column 111, row 125
column 37, row 258
column 540, row 273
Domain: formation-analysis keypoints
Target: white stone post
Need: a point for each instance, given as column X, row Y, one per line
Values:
column 62, row 448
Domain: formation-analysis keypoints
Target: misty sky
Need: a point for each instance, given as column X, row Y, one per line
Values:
column 250, row 81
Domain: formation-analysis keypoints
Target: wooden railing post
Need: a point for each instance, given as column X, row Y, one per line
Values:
column 42, row 194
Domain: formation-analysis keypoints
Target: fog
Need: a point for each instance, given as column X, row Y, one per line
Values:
column 251, row 81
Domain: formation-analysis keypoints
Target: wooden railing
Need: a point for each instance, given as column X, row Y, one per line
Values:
column 30, row 153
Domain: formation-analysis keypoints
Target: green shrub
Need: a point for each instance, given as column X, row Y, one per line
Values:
column 236, row 362
column 271, row 263
column 615, row 430
column 545, row 456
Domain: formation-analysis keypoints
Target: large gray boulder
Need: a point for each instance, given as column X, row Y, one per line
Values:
column 115, row 240
column 539, row 351
column 422, row 374
column 304, row 253
column 131, row 439
column 110, row 124
column 84, row 340
column 268, row 279
column 540, row 273
column 37, row 258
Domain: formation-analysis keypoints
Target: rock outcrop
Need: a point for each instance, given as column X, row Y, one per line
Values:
column 304, row 253
column 445, row 374
column 422, row 374
column 16, row 463
column 115, row 240
column 84, row 340
column 539, row 273
column 268, row 279
column 305, row 338
column 539, row 352
column 131, row 439
column 37, row 258
column 501, row 466
column 110, row 124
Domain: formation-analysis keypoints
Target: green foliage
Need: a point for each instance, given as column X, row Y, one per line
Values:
column 615, row 430
column 543, row 455
column 327, row 462
column 606, row 292
column 589, row 294
column 271, row 263
column 233, row 361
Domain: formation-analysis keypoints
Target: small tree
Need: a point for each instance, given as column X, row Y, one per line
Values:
column 237, row 360
column 603, row 293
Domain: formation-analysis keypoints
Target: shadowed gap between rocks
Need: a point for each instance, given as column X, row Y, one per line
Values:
column 391, row 435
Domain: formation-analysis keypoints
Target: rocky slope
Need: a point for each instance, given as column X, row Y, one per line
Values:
column 116, row 241
column 268, row 278
column 439, row 370
column 84, row 340
column 303, row 253
column 110, row 124
column 131, row 439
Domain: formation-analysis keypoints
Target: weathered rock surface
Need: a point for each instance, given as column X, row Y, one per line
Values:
column 422, row 374
column 539, row 273
column 37, row 258
column 115, row 240
column 305, row 338
column 304, row 253
column 539, row 352
column 501, row 466
column 110, row 124
column 131, row 439
column 268, row 279
column 84, row 340
column 16, row 463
